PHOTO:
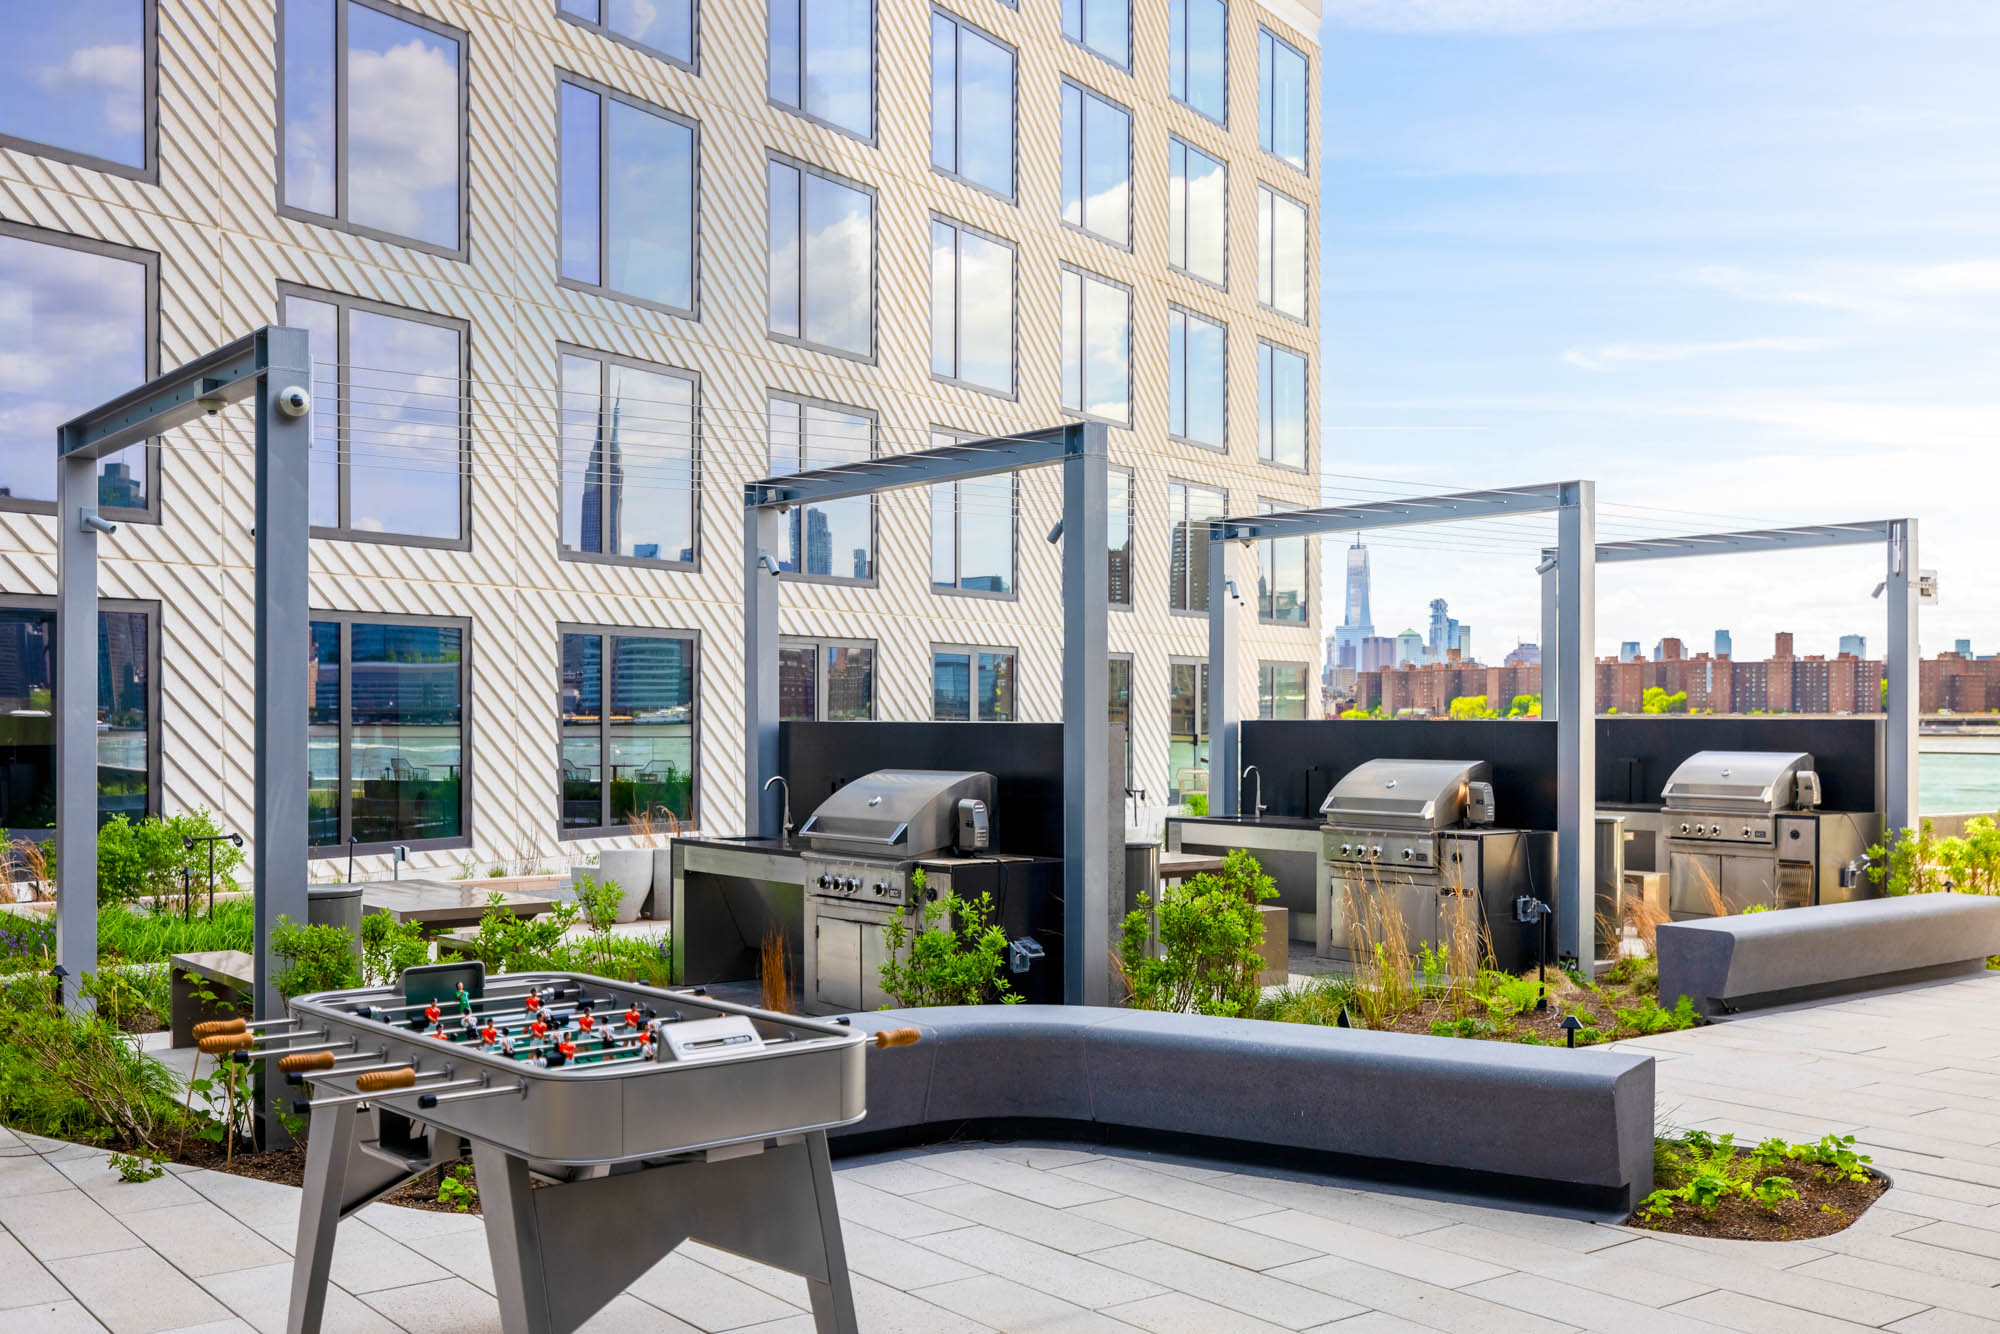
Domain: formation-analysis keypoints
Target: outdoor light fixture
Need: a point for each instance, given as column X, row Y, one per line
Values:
column 60, row 974
column 1570, row 1024
column 1055, row 533
column 89, row 522
column 769, row 562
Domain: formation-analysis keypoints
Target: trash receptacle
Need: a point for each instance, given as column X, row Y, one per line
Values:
column 337, row 905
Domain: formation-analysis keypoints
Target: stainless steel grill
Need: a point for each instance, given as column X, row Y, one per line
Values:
column 1393, row 810
column 896, row 814
column 1741, row 832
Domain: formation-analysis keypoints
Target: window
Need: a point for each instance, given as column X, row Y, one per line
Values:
column 1096, row 165
column 386, row 733
column 632, row 762
column 823, row 61
column 972, row 308
column 834, row 539
column 1281, row 576
column 1118, row 492
column 822, row 253
column 1121, row 705
column 1187, row 728
column 372, row 119
column 628, row 198
column 969, row 684
column 78, row 83
column 972, row 105
column 826, row 680
column 128, row 716
column 664, row 28
column 972, row 532
column 79, row 325
column 1096, row 347
column 1281, row 406
column 1198, row 56
column 1103, row 26
column 388, row 462
column 1189, row 509
column 628, row 468
column 1197, row 213
column 1197, row 376
column 1281, row 690
column 1281, row 98
column 1281, row 253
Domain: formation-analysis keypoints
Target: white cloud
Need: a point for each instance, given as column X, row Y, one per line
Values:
column 1526, row 16
column 402, row 127
column 118, row 71
column 1900, row 292
column 1623, row 354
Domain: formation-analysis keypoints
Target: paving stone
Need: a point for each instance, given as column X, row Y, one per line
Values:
column 1454, row 1309
column 1605, row 1271
column 1780, row 1286
column 1259, row 1296
column 94, row 1176
column 200, row 1239
column 136, row 1292
column 1584, row 1308
column 900, row 1264
column 1937, row 1320
column 364, row 1260
column 230, row 1326
column 465, row 1254
column 1755, row 1315
column 1222, row 1241
column 58, row 1225
column 443, row 1306
column 1398, row 1255
column 1388, row 1214
column 1054, row 1188
column 266, row 1206
column 881, row 1309
column 1957, row 1237
column 626, row 1314
column 1958, row 1294
column 1374, row 1322
column 23, row 1280
column 1117, row 1177
column 262, row 1296
column 704, row 1298
column 29, row 1175
column 1075, row 1280
column 1020, row 1309
column 892, row 1214
column 65, row 1317
column 1178, row 1313
column 898, row 1176
column 1902, row 1253
column 416, row 1226
column 1061, row 1228
column 1048, row 1157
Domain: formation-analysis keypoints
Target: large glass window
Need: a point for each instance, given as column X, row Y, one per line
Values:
column 1281, row 406
column 1282, row 89
column 972, row 307
column 78, row 78
column 628, row 726
column 1189, row 510
column 1281, row 689
column 628, row 468
column 1096, row 165
column 1118, row 493
column 822, row 258
column 388, row 447
column 1198, row 56
column 972, row 104
column 664, row 28
column 1096, row 346
column 1103, row 26
column 1187, row 729
column 823, row 61
column 1197, row 379
column 1197, row 213
column 628, row 197
column 127, row 719
column 826, row 680
column 972, row 684
column 834, row 539
column 386, row 733
column 373, row 119
column 77, row 326
column 972, row 532
column 1281, row 252
column 1281, row 576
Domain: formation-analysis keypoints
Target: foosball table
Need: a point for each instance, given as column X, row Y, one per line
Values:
column 606, row 1122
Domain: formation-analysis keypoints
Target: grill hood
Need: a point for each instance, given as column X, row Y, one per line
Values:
column 895, row 813
column 1751, row 782
column 1423, row 795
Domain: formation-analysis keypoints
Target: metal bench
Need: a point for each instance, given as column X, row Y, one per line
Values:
column 1727, row 964
column 1571, row 1126
column 230, row 976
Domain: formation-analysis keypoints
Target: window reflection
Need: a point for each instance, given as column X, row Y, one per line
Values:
column 1197, row 372
column 1281, row 689
column 1197, row 205
column 972, row 104
column 1281, row 253
column 1187, row 729
column 628, row 187
column 632, row 761
column 73, row 77
column 628, row 460
column 28, row 716
column 1118, row 533
column 972, row 308
column 1281, row 576
column 825, row 680
column 972, row 685
column 822, row 61
column 665, row 27
column 1096, row 346
column 1097, row 165
column 1105, row 26
column 396, row 742
column 834, row 539
column 1281, row 406
column 1281, row 98
column 1189, row 509
column 822, row 260
column 1198, row 56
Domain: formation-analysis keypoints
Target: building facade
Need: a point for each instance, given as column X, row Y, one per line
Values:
column 574, row 273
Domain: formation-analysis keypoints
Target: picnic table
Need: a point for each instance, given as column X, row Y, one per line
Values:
column 443, row 904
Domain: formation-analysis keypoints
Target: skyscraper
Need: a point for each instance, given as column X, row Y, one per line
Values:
column 1356, row 623
column 1856, row 645
column 1723, row 648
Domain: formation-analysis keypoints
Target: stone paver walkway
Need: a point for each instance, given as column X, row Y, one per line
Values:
column 1057, row 1238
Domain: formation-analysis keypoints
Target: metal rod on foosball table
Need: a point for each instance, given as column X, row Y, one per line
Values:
column 380, row 1011
column 426, row 1101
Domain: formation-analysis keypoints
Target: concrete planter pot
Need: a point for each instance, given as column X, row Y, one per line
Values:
column 632, row 870
column 663, row 881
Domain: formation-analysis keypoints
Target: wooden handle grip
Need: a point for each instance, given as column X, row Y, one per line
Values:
column 899, row 1037
column 213, row 1027
column 215, row 1044
column 382, row 1081
column 306, row 1060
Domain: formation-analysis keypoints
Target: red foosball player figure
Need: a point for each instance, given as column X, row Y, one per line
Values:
column 632, row 1017
column 532, row 1001
column 431, row 1012
column 568, row 1050
column 441, row 1035
column 489, row 1036
column 539, row 1028
column 586, row 1021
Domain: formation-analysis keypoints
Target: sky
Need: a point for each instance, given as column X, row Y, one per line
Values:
column 1737, row 261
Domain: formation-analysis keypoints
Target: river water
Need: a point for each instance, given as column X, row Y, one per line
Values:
column 1958, row 775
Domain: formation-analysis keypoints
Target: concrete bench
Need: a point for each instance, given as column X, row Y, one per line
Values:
column 228, row 975
column 1727, row 964
column 1574, row 1126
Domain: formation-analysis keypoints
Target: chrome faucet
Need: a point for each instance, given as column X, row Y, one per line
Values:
column 786, row 789
column 1257, row 799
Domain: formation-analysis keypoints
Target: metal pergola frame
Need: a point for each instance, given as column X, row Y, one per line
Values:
column 265, row 366
column 1575, row 505
column 1902, row 587
column 1080, row 447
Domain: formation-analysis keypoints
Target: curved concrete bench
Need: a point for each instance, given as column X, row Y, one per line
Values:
column 1519, row 1120
column 1727, row 964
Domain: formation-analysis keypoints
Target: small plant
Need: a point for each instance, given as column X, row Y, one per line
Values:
column 1196, row 803
column 388, row 947
column 598, row 901
column 144, row 1165
column 1756, row 907
column 955, row 958
column 317, row 958
column 1209, row 932
column 1317, row 1000
column 457, row 1189
column 1648, row 1018
column 1512, row 995
column 1770, row 1192
column 506, row 943
column 1833, row 1158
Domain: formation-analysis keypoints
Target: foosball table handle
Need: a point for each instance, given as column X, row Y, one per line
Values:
column 217, row 1027
column 899, row 1037
column 384, row 1081
column 300, row 1062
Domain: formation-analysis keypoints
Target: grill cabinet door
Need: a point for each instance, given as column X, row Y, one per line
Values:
column 1694, row 879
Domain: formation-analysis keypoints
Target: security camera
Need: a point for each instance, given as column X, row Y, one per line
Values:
column 294, row 401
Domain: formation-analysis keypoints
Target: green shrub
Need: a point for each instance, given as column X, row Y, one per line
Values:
column 134, row 1168
column 146, row 859
column 954, row 958
column 1317, row 1000
column 1196, row 803
column 77, row 1077
column 316, row 958
column 506, row 943
column 598, row 902
column 1209, row 931
column 458, row 1189
column 1507, row 995
column 647, row 960
column 388, row 947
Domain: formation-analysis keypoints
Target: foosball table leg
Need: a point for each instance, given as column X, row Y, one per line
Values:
column 832, row 1299
column 335, row 1131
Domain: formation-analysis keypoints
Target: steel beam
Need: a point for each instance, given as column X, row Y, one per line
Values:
column 1576, row 721
column 762, row 531
column 1902, row 594
column 1224, row 734
column 1551, row 630
column 75, row 707
column 926, row 467
column 1401, row 512
column 1803, row 538
column 1086, row 578
column 226, row 375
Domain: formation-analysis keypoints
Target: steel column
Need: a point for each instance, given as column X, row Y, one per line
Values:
column 75, row 708
column 1224, row 753
column 1576, row 720
column 1086, row 715
column 1903, row 596
column 1551, row 629
column 761, row 532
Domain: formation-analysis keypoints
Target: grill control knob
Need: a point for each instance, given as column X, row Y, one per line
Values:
column 1375, row 851
column 1345, row 849
column 1408, row 853
column 881, row 888
column 825, row 880
column 850, row 884
column 1684, row 826
column 1746, row 831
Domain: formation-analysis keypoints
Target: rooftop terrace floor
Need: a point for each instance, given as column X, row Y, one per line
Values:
column 1049, row 1237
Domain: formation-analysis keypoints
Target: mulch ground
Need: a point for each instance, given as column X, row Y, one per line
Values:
column 287, row 1167
column 1823, row 1207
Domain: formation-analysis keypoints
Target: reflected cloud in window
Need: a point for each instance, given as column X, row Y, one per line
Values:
column 73, row 76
